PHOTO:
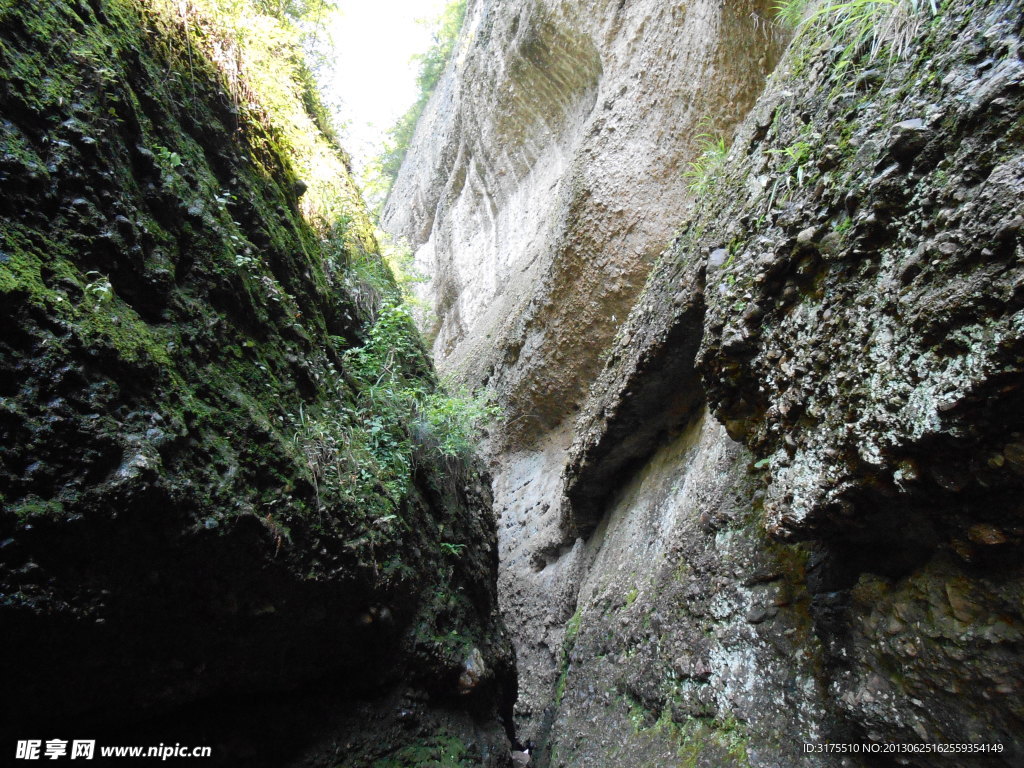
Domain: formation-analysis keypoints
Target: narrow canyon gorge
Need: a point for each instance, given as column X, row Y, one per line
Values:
column 744, row 280
column 757, row 484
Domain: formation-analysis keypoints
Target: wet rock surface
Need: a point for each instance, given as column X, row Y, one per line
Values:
column 170, row 562
column 788, row 510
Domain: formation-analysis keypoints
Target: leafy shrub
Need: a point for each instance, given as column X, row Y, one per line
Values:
column 702, row 172
column 367, row 460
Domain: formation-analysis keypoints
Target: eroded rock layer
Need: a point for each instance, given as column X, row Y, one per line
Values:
column 788, row 510
column 543, row 180
column 853, row 285
column 189, row 548
column 536, row 186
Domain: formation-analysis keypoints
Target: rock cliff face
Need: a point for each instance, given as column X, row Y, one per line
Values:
column 537, row 185
column 201, row 539
column 789, row 510
column 542, row 182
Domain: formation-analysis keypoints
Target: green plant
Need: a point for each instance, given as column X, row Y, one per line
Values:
column 572, row 627
column 454, row 420
column 452, row 549
column 99, row 289
column 366, row 460
column 702, row 172
column 167, row 159
column 436, row 750
column 861, row 25
column 790, row 13
column 795, row 158
column 793, row 170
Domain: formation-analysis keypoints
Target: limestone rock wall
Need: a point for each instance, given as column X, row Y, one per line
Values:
column 846, row 300
column 536, row 186
column 539, row 188
column 787, row 509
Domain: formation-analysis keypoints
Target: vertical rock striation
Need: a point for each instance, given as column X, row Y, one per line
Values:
column 540, row 186
column 789, row 510
column 537, row 183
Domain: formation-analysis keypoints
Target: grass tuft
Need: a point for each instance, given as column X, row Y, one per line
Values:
column 870, row 26
column 702, row 172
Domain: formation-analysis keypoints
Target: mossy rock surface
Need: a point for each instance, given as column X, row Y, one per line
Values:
column 172, row 326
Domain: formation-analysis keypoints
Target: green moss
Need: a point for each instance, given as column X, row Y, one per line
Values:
column 572, row 627
column 34, row 508
column 20, row 273
column 440, row 750
column 631, row 597
column 723, row 741
column 96, row 317
column 572, row 630
column 167, row 277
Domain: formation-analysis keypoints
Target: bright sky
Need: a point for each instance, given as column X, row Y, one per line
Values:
column 375, row 82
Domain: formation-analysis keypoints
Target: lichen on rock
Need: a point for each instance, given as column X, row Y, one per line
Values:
column 837, row 559
column 211, row 532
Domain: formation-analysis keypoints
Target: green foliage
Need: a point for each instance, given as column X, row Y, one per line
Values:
column 261, row 49
column 300, row 11
column 695, row 738
column 431, row 66
column 436, row 751
column 572, row 630
column 399, row 257
column 99, row 288
column 446, row 31
column 859, row 25
column 367, row 459
column 166, row 159
column 392, row 344
column 795, row 166
column 795, row 158
column 702, row 172
column 374, row 278
column 447, row 422
column 453, row 421
column 790, row 13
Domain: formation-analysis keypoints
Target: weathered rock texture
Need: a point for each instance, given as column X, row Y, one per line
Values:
column 537, row 185
column 857, row 273
column 173, row 564
column 541, row 184
column 841, row 558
